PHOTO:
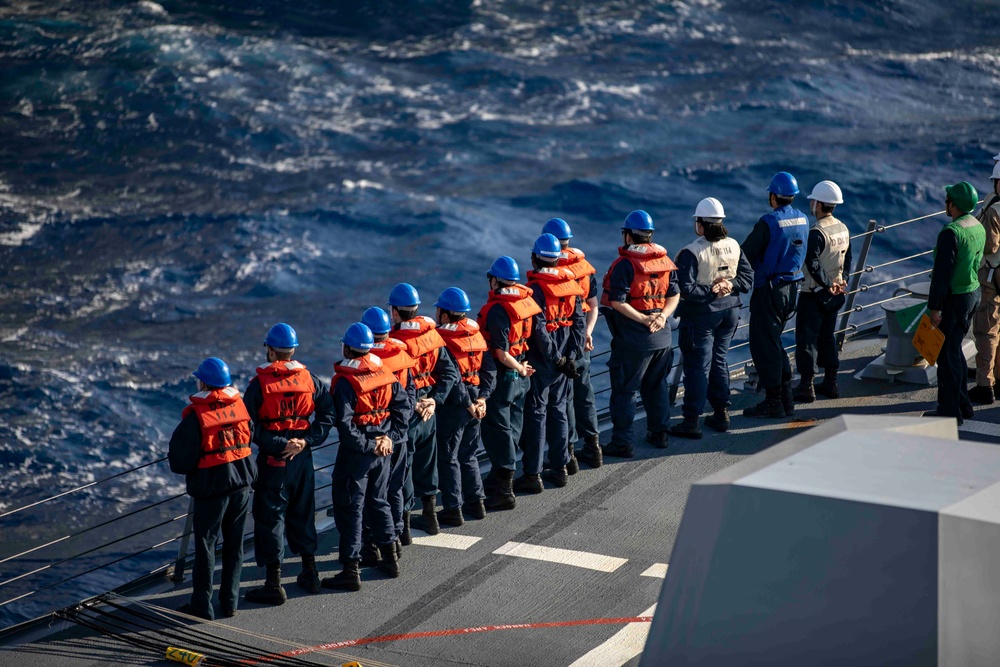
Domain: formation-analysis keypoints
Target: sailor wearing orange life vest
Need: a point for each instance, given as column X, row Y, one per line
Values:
column 370, row 409
column 292, row 412
column 582, row 409
column 639, row 294
column 506, row 322
column 458, row 416
column 397, row 361
column 211, row 446
column 557, row 341
column 434, row 376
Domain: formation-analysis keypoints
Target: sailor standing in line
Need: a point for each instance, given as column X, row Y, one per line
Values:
column 211, row 447
column 711, row 274
column 281, row 399
column 458, row 416
column 505, row 320
column 821, row 296
column 639, row 293
column 954, row 297
column 557, row 341
column 776, row 248
column 397, row 361
column 370, row 409
column 424, row 344
column 986, row 321
column 582, row 412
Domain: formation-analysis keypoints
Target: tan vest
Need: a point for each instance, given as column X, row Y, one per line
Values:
column 836, row 241
column 718, row 259
column 988, row 217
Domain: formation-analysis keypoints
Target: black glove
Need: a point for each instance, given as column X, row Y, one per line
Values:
column 568, row 368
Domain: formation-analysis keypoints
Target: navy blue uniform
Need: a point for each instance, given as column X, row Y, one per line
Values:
column 504, row 420
column 582, row 412
column 421, row 448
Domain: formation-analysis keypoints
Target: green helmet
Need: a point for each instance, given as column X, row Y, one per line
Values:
column 963, row 196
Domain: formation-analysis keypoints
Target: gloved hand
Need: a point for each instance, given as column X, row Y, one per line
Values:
column 568, row 368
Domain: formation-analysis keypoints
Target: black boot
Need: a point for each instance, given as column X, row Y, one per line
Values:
column 399, row 549
column 618, row 450
column 558, row 476
column 451, row 516
column 805, row 392
column 572, row 466
column 476, row 509
column 348, row 579
column 982, row 395
column 829, row 387
column 786, row 398
column 404, row 537
column 502, row 497
column 769, row 408
column 686, row 429
column 271, row 592
column 430, row 516
column 491, row 482
column 529, row 484
column 658, row 440
column 308, row 578
column 369, row 555
column 390, row 561
column 718, row 421
column 591, row 453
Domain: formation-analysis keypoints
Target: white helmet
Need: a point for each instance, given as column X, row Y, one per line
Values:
column 827, row 192
column 710, row 207
column 997, row 157
column 996, row 170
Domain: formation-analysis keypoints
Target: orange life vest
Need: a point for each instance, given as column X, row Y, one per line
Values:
column 466, row 344
column 561, row 290
column 652, row 276
column 225, row 426
column 373, row 385
column 574, row 260
column 423, row 342
column 395, row 358
column 520, row 307
column 287, row 390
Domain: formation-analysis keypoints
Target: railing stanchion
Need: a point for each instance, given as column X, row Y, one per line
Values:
column 862, row 261
column 178, row 575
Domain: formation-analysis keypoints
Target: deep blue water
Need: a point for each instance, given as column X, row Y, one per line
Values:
column 175, row 177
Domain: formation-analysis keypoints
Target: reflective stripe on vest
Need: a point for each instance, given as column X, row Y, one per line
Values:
column 783, row 257
column 395, row 358
column 225, row 426
column 716, row 259
column 422, row 342
column 372, row 384
column 651, row 282
column 520, row 307
column 287, row 396
column 574, row 260
column 836, row 241
column 561, row 291
column 467, row 344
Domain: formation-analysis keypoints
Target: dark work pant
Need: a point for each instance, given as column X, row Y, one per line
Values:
column 545, row 421
column 704, row 343
column 634, row 371
column 212, row 518
column 770, row 308
column 501, row 428
column 393, row 493
column 953, row 372
column 581, row 409
column 355, row 477
column 815, row 322
column 421, row 454
column 458, row 467
column 284, row 505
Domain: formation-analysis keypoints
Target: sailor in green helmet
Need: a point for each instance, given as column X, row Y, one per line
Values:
column 954, row 297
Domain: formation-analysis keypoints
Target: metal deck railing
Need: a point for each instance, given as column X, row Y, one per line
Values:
column 169, row 523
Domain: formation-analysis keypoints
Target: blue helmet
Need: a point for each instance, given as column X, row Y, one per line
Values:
column 454, row 300
column 282, row 336
column 547, row 246
column 783, row 184
column 358, row 336
column 377, row 320
column 639, row 221
column 404, row 295
column 558, row 228
column 214, row 372
column 505, row 268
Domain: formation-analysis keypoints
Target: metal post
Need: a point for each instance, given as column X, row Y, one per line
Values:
column 178, row 574
column 861, row 264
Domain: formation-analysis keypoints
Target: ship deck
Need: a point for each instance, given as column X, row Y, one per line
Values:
column 568, row 578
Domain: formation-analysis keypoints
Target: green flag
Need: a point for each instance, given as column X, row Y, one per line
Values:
column 909, row 318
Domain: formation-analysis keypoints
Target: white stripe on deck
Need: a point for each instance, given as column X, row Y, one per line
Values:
column 658, row 570
column 622, row 647
column 443, row 540
column 565, row 556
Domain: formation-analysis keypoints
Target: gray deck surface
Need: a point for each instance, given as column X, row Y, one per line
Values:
column 628, row 509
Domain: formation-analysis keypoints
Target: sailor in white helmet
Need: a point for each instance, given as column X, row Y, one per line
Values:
column 711, row 273
column 821, row 295
column 986, row 321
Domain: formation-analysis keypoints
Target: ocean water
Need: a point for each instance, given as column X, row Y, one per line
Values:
column 176, row 176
